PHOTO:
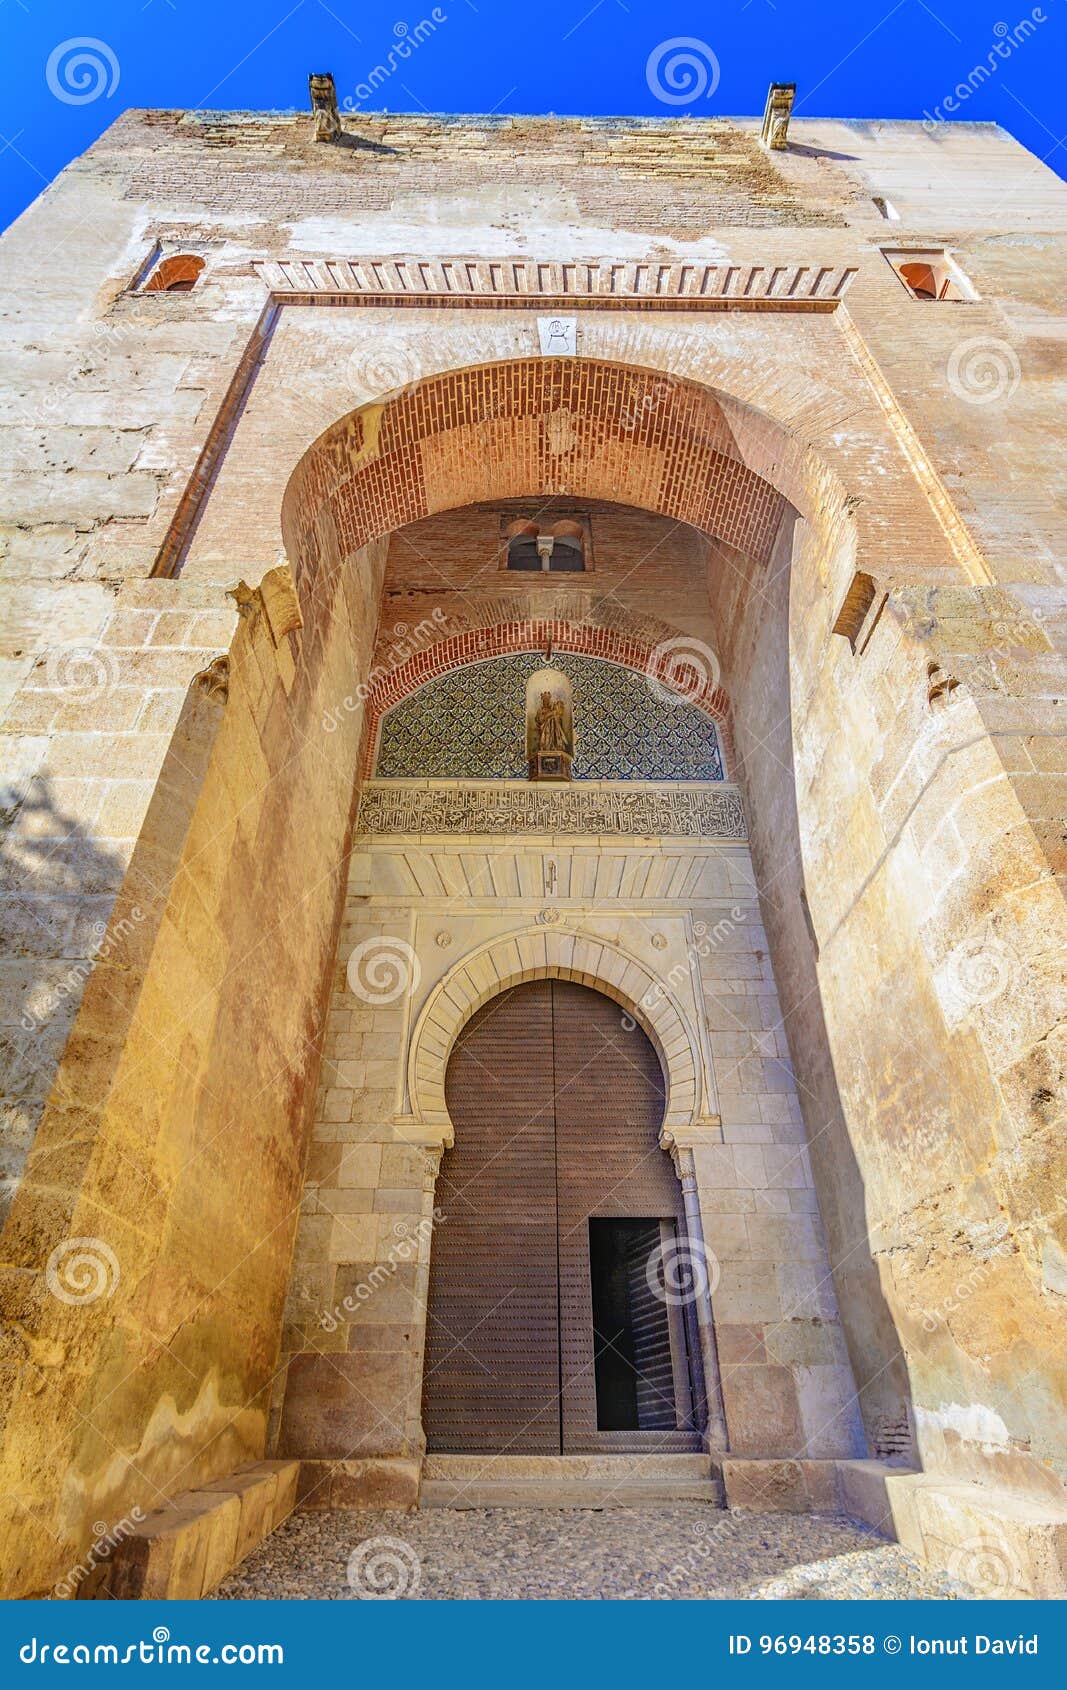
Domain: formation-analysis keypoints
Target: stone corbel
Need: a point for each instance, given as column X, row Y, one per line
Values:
column 860, row 610
column 691, row 1135
column 278, row 592
column 275, row 598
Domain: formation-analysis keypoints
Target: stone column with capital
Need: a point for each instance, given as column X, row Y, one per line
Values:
column 703, row 1275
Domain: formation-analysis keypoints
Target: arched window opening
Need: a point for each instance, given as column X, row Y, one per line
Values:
column 921, row 279
column 523, row 553
column 177, row 274
column 931, row 275
column 556, row 549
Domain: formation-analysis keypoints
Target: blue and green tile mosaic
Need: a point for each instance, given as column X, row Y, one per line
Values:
column 470, row 724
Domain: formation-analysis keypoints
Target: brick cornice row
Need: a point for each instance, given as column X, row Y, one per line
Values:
column 569, row 284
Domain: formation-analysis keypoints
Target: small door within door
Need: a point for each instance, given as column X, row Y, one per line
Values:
column 640, row 1346
column 544, row 1329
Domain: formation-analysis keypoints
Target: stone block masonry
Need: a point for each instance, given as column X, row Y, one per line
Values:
column 183, row 1551
column 176, row 869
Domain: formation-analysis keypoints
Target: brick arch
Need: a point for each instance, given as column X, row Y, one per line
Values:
column 550, row 426
column 638, row 644
column 543, row 953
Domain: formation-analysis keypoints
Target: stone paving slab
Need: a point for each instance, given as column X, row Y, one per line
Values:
column 685, row 1550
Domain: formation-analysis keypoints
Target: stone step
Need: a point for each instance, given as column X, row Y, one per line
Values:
column 443, row 1493
column 568, row 1481
column 182, row 1551
column 643, row 1466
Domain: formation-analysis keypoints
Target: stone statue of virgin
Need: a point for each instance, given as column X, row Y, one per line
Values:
column 550, row 724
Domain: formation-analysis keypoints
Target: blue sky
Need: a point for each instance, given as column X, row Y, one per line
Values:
column 850, row 58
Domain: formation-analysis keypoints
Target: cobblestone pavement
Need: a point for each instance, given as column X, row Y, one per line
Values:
column 676, row 1551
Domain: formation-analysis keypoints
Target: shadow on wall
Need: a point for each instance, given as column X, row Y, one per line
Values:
column 59, row 887
column 145, row 1257
column 86, row 1216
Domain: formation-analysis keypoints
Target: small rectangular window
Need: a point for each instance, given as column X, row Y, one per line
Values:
column 547, row 548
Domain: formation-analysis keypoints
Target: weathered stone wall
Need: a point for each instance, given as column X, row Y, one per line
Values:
column 923, row 989
column 164, row 1179
column 921, row 811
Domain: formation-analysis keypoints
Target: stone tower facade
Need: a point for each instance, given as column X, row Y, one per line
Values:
column 280, row 404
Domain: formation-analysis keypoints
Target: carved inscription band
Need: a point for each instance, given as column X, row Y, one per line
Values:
column 714, row 812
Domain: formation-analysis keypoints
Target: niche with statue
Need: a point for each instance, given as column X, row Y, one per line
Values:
column 549, row 726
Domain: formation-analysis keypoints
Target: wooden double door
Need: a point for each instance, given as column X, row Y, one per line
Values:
column 548, row 1328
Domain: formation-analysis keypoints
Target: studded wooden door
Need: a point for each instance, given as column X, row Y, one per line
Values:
column 557, row 1100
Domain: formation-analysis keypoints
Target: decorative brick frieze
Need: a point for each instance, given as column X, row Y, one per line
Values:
column 486, row 282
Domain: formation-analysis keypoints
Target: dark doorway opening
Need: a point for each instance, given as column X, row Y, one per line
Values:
column 641, row 1347
column 632, row 1354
